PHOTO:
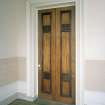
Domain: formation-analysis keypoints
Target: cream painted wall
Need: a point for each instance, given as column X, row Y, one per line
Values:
column 12, row 45
column 12, row 28
column 8, row 29
column 94, row 22
column 21, row 23
column 94, row 51
column 94, row 39
column 12, row 48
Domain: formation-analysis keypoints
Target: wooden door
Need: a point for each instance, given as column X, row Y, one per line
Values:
column 57, row 54
column 65, row 55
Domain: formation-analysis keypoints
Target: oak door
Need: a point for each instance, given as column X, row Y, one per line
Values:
column 57, row 54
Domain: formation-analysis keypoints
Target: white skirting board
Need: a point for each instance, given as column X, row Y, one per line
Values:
column 7, row 90
column 94, row 98
column 8, row 100
column 13, row 91
column 17, row 90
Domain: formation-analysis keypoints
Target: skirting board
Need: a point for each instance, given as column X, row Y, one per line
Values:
column 12, row 88
column 8, row 100
column 17, row 96
column 24, row 97
column 94, row 98
column 13, row 91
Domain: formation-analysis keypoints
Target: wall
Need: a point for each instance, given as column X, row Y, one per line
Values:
column 12, row 47
column 94, row 50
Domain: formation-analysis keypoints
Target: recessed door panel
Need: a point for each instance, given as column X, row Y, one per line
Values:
column 66, row 54
column 46, row 52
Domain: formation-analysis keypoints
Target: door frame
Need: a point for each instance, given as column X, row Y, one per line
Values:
column 32, row 45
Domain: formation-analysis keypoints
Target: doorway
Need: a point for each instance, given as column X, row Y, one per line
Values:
column 56, row 49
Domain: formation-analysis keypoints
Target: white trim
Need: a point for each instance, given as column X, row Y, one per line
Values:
column 35, row 33
column 7, row 90
column 25, row 97
column 12, row 88
column 21, row 87
column 50, row 5
column 32, row 61
column 9, row 100
column 51, row 2
column 33, row 84
column 15, row 96
column 94, row 98
column 79, row 53
column 13, row 91
column 28, row 32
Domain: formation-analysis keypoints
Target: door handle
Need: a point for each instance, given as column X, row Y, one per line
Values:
column 39, row 65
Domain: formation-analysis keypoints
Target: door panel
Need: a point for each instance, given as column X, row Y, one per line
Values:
column 65, row 64
column 57, row 54
column 64, row 55
column 47, row 53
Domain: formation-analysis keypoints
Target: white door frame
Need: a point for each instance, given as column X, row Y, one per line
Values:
column 32, row 45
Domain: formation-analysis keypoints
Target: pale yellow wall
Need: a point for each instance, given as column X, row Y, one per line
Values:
column 12, row 69
column 8, row 71
column 95, row 75
column 21, row 68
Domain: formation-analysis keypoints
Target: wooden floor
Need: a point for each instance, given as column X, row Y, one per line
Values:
column 38, row 102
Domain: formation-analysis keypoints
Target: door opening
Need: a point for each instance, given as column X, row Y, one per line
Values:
column 56, row 49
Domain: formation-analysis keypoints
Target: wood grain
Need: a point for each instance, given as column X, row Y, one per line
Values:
column 64, row 56
column 46, row 52
column 47, row 55
column 57, row 54
column 65, row 52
